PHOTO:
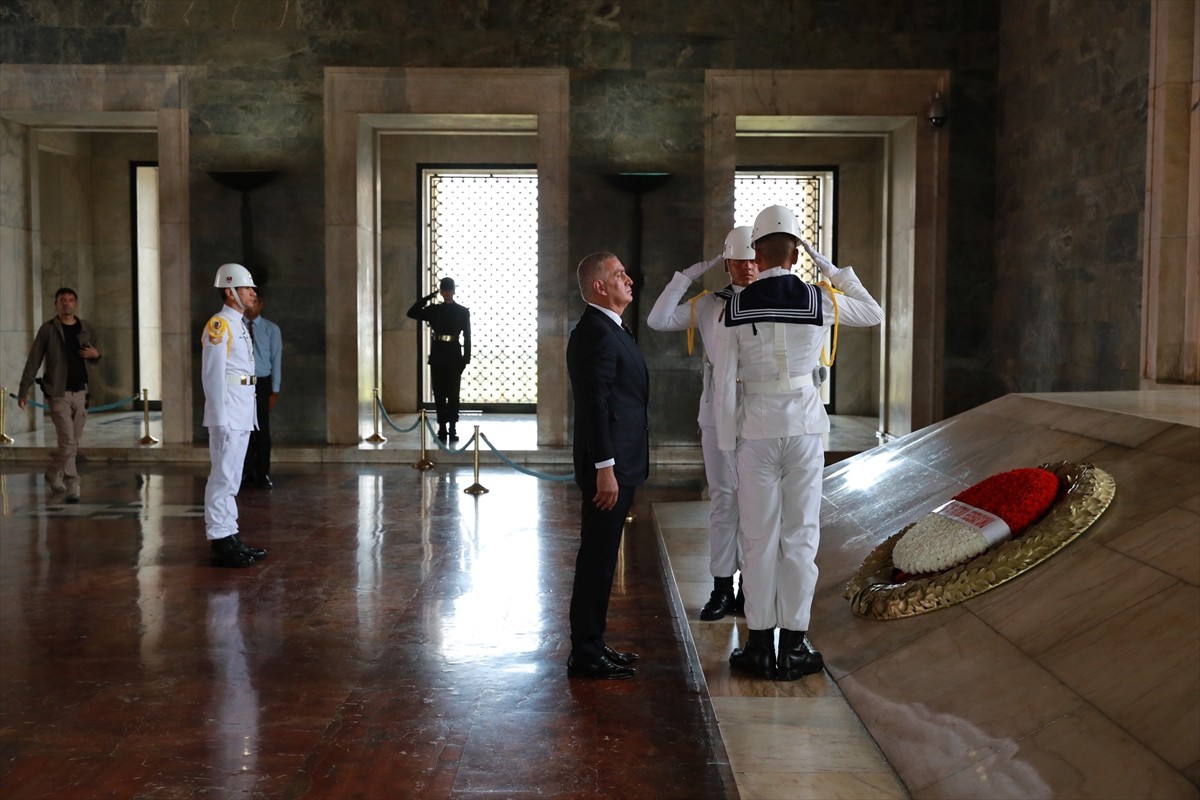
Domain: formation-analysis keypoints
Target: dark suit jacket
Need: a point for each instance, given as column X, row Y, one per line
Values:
column 612, row 388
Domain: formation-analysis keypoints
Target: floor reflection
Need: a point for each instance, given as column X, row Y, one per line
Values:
column 401, row 633
column 233, row 730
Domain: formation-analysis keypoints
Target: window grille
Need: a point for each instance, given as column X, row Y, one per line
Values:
column 808, row 194
column 480, row 228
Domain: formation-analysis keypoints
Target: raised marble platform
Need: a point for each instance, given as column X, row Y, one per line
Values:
column 1077, row 679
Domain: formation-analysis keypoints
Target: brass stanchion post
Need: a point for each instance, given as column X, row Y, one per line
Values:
column 424, row 463
column 376, row 437
column 5, row 439
column 147, row 439
column 476, row 488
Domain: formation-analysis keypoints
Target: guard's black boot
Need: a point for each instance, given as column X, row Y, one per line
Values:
column 453, row 433
column 441, row 434
column 797, row 657
column 226, row 553
column 720, row 602
column 257, row 553
column 758, row 656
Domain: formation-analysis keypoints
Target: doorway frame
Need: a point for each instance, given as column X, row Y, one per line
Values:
column 891, row 103
column 362, row 103
column 97, row 98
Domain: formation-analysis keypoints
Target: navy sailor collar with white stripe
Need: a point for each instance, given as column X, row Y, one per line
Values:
column 779, row 298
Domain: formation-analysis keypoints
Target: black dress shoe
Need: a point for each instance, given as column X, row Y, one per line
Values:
column 797, row 657
column 617, row 657
column 264, row 482
column 441, row 434
column 758, row 656
column 226, row 553
column 603, row 668
column 453, row 434
column 720, row 603
column 257, row 553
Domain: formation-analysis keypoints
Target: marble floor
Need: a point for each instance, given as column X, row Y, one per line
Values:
column 403, row 639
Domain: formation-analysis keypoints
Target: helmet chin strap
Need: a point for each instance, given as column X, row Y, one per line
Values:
column 237, row 298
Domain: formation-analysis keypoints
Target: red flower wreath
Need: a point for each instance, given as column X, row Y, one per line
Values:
column 994, row 509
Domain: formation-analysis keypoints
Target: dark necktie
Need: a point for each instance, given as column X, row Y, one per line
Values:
column 250, row 327
column 626, row 328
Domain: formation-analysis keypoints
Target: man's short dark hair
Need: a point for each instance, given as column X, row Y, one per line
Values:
column 66, row 290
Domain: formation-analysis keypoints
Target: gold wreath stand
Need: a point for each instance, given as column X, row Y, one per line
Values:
column 873, row 594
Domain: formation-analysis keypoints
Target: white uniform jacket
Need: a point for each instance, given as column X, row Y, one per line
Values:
column 749, row 356
column 226, row 365
column 670, row 314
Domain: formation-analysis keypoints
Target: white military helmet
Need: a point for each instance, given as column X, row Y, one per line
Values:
column 231, row 276
column 775, row 219
column 738, row 244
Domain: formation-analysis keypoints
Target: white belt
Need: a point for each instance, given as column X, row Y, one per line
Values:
column 241, row 380
column 789, row 384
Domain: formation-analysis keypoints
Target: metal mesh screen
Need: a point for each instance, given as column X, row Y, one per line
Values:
column 481, row 230
column 810, row 197
column 805, row 193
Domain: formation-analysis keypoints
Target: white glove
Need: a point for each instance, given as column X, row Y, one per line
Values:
column 701, row 267
column 824, row 264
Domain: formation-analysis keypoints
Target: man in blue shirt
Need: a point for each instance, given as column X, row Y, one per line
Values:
column 268, row 361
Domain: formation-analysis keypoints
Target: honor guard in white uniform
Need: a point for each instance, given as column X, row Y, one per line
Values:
column 227, row 373
column 770, row 410
column 704, row 312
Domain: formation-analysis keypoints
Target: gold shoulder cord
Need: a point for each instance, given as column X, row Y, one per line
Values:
column 692, row 323
column 833, row 293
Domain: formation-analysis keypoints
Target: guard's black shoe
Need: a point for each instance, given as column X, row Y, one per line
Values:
column 453, row 434
column 758, row 656
column 617, row 657
column 797, row 657
column 226, row 553
column 720, row 603
column 441, row 434
column 257, row 553
column 602, row 668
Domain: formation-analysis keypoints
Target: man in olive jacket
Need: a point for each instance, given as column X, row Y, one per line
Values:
column 67, row 345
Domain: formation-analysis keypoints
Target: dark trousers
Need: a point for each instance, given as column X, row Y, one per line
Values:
column 445, row 382
column 599, row 542
column 258, row 453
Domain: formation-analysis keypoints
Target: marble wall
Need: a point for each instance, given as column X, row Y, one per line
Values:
column 1071, row 174
column 255, row 98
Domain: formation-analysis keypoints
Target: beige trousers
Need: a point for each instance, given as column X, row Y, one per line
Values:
column 68, row 413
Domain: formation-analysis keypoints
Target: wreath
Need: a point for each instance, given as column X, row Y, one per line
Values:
column 987, row 535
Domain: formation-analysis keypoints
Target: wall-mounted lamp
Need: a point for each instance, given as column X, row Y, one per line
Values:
column 936, row 113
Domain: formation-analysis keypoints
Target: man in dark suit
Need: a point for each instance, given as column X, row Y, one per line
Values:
column 611, row 387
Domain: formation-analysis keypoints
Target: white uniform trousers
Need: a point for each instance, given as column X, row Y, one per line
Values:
column 227, row 450
column 724, row 549
column 779, row 497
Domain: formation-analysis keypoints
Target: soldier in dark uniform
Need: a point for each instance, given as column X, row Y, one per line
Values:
column 447, row 358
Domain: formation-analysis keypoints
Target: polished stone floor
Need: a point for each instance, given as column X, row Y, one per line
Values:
column 403, row 639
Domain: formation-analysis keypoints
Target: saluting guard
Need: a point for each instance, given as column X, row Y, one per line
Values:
column 704, row 313
column 447, row 358
column 770, row 413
